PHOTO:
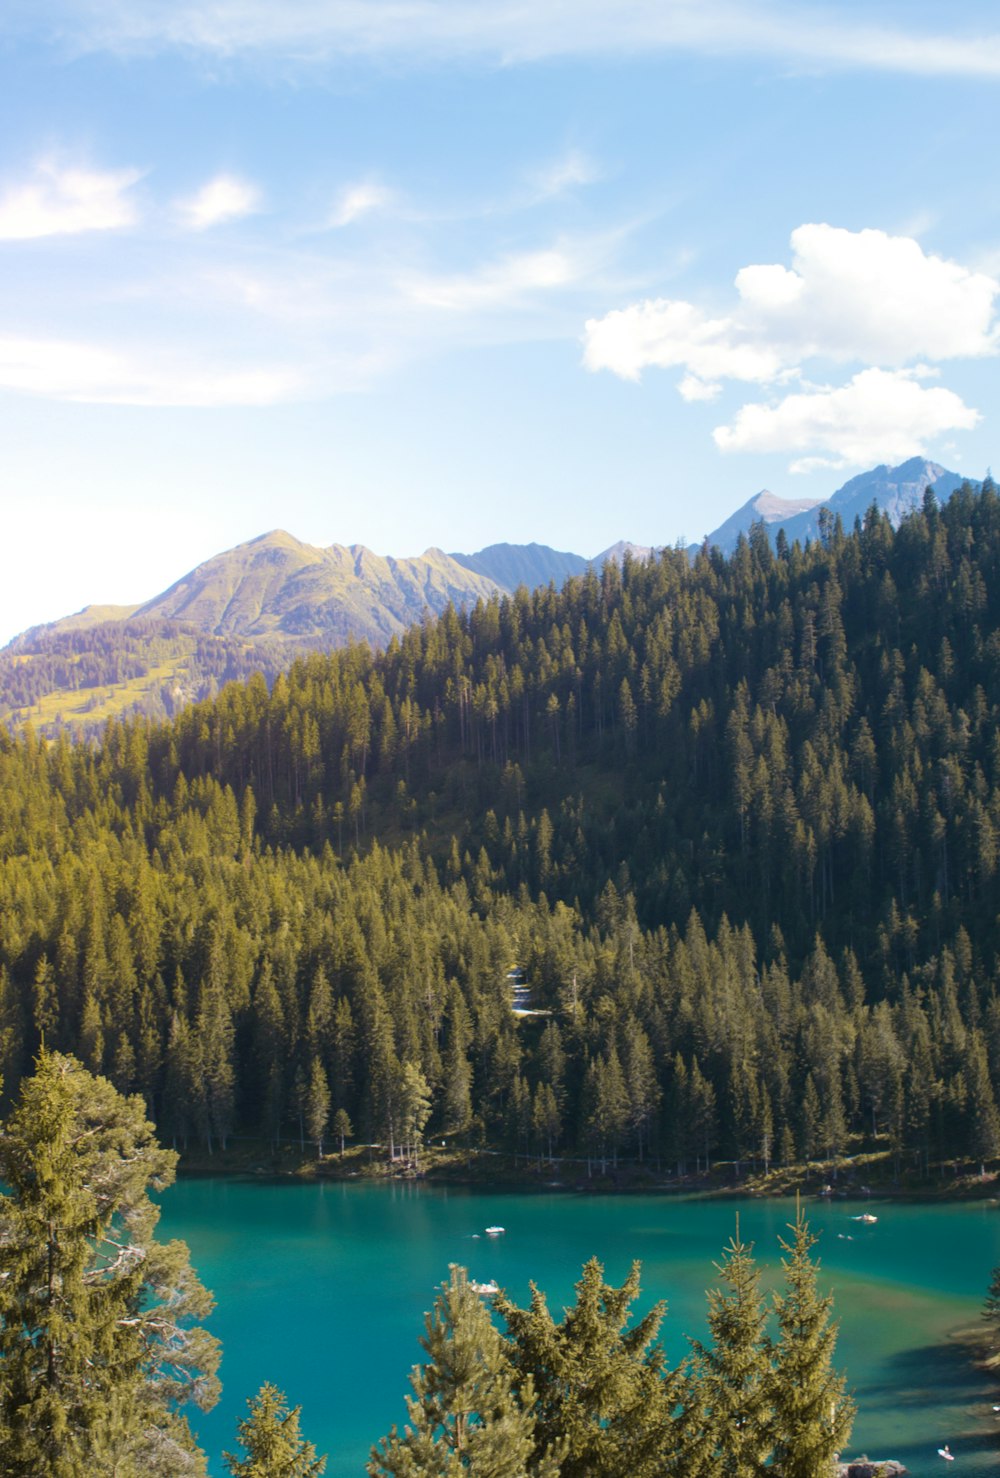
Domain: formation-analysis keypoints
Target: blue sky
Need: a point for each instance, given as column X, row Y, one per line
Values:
column 447, row 272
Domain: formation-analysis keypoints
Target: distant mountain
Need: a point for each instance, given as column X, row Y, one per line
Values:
column 511, row 565
column 277, row 586
column 252, row 608
column 765, row 508
column 256, row 607
column 618, row 551
column 896, row 490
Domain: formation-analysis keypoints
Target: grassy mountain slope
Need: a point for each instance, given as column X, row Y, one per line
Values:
column 252, row 608
column 276, row 585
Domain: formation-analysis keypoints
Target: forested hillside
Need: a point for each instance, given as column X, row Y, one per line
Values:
column 737, row 821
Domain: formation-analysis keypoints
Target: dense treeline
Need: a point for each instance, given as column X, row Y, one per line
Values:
column 737, row 821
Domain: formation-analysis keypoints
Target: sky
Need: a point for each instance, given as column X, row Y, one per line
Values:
column 415, row 273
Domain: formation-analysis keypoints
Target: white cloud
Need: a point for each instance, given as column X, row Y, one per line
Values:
column 64, row 200
column 878, row 415
column 507, row 31
column 672, row 334
column 691, row 388
column 225, row 198
column 848, row 296
column 72, row 371
column 865, row 295
column 359, row 200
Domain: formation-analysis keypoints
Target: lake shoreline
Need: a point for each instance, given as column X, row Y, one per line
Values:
column 859, row 1178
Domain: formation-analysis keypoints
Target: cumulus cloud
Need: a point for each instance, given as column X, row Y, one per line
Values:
column 846, row 298
column 865, row 295
column 879, row 415
column 672, row 334
column 73, row 371
column 225, row 198
column 359, row 200
column 62, row 200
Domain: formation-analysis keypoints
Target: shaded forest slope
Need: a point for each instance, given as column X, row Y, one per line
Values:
column 737, row 821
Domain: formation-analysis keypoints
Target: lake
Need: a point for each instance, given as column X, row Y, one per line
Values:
column 321, row 1289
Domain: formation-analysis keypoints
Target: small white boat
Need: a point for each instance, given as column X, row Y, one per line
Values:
column 494, row 1231
column 943, row 1452
column 485, row 1288
column 866, row 1217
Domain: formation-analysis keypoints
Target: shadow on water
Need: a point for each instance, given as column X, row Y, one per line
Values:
column 939, row 1378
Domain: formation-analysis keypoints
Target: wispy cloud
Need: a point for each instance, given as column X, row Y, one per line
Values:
column 499, row 284
column 359, row 200
column 77, row 371
column 229, row 323
column 507, row 31
column 63, row 200
column 572, row 169
column 225, row 198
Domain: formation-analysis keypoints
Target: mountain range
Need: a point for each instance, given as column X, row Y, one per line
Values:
column 255, row 607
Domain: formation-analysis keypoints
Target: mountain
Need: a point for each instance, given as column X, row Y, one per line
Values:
column 252, row 608
column 766, row 508
column 511, row 565
column 277, row 586
column 256, row 607
column 896, row 490
column 618, row 551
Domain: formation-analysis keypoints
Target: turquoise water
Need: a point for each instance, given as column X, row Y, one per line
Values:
column 322, row 1289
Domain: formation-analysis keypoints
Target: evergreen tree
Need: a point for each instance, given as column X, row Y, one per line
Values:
column 733, row 1374
column 271, row 1441
column 812, row 1414
column 317, row 1107
column 342, row 1127
column 605, row 1398
column 471, row 1411
column 97, row 1341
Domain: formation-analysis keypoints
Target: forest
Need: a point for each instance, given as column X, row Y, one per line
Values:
column 735, row 822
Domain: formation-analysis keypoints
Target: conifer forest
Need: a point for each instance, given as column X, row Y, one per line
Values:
column 733, row 823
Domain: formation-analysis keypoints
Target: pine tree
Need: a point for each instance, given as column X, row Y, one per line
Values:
column 271, row 1440
column 604, row 1395
column 342, row 1127
column 734, row 1373
column 471, row 1412
column 812, row 1414
column 97, row 1344
column 317, row 1107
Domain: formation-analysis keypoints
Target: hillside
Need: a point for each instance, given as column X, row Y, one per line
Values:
column 255, row 607
column 736, row 823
